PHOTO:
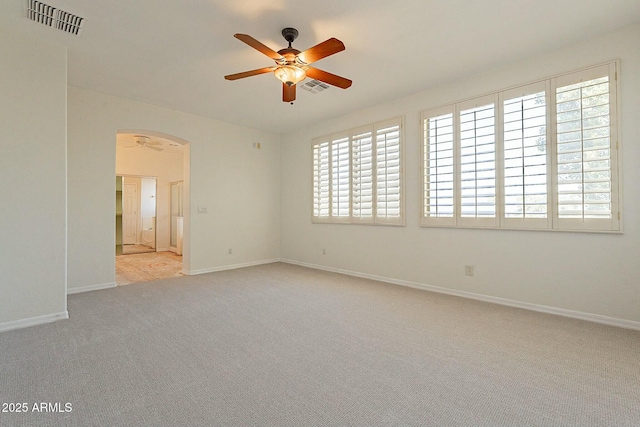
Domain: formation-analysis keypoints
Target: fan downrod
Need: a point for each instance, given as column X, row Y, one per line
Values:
column 290, row 34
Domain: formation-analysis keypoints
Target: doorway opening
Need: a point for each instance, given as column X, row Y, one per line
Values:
column 152, row 176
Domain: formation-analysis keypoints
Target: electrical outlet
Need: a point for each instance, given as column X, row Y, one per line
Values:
column 230, row 251
column 324, row 251
column 202, row 209
column 468, row 270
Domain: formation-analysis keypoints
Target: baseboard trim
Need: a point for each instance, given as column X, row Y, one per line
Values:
column 91, row 288
column 596, row 318
column 229, row 267
column 33, row 321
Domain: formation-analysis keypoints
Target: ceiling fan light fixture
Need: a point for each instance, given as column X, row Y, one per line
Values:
column 292, row 66
column 290, row 74
column 141, row 139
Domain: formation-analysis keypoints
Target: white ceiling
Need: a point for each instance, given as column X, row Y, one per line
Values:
column 174, row 53
column 128, row 141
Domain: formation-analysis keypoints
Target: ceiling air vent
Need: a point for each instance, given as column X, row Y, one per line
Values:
column 315, row 86
column 53, row 17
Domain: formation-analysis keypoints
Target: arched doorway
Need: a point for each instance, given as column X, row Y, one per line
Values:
column 144, row 156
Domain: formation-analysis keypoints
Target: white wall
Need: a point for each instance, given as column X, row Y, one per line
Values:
column 33, row 84
column 238, row 185
column 259, row 201
column 167, row 168
column 589, row 273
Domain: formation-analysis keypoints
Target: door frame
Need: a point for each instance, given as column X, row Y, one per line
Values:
column 186, row 189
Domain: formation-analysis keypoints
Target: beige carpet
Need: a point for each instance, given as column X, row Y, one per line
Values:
column 136, row 268
column 282, row 345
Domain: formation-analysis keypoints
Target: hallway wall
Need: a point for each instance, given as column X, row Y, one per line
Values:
column 33, row 197
column 237, row 184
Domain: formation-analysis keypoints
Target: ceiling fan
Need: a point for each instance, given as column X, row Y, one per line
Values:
column 145, row 142
column 292, row 66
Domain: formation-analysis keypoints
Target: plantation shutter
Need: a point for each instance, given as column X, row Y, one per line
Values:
column 526, row 157
column 340, row 179
column 321, row 181
column 388, row 172
column 540, row 156
column 358, row 177
column 477, row 169
column 586, row 149
column 438, row 178
column 362, row 176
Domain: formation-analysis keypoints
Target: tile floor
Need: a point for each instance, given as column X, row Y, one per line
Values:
column 136, row 249
column 136, row 268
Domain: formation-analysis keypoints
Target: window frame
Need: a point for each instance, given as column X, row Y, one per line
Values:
column 593, row 224
column 552, row 222
column 333, row 142
column 386, row 220
column 528, row 223
column 316, row 199
column 425, row 217
column 477, row 221
column 356, row 132
column 350, row 134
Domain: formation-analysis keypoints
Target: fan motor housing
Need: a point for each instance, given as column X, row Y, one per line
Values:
column 289, row 54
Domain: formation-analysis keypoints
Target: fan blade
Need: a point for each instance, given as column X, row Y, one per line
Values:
column 288, row 92
column 249, row 73
column 322, row 50
column 329, row 78
column 259, row 46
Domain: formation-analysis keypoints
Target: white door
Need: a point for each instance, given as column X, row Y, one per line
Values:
column 130, row 214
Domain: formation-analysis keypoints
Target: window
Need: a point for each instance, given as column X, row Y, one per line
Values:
column 540, row 156
column 525, row 157
column 477, row 138
column 340, row 172
column 357, row 175
column 321, row 180
column 362, row 177
column 388, row 183
column 586, row 149
column 437, row 164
